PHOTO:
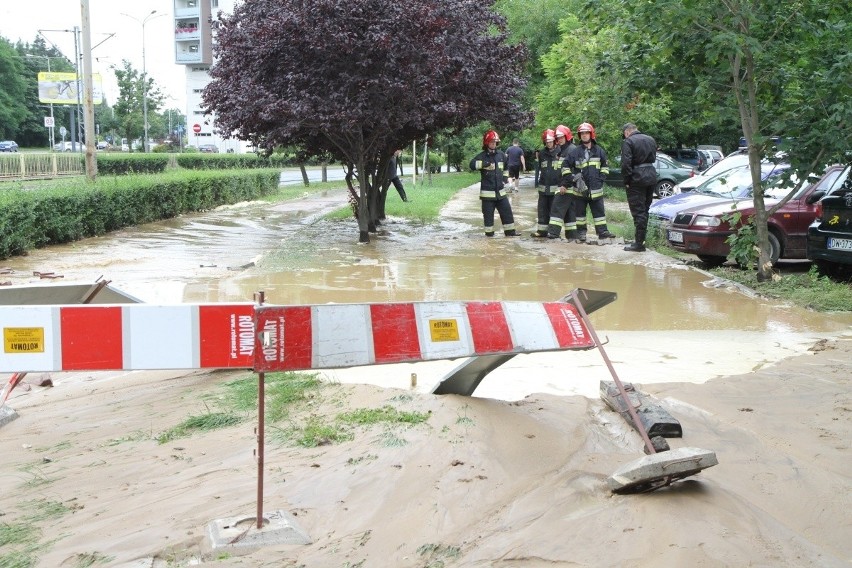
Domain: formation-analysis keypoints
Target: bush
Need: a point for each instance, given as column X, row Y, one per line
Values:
column 77, row 209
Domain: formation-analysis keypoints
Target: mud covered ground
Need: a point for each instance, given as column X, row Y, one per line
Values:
column 515, row 476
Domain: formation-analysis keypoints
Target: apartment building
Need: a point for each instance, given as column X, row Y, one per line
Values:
column 194, row 50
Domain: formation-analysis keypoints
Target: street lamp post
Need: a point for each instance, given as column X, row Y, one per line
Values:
column 144, row 75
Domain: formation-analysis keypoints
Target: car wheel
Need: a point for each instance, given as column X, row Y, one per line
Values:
column 665, row 188
column 712, row 261
column 774, row 250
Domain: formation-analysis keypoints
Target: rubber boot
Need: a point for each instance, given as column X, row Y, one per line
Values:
column 581, row 236
column 639, row 244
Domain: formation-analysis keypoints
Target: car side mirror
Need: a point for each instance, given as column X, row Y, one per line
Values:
column 815, row 196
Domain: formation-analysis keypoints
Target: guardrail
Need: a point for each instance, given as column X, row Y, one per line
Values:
column 39, row 165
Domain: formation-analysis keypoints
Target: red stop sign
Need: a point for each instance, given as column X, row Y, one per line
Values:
column 196, row 128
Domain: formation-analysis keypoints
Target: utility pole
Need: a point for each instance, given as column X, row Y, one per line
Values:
column 89, row 107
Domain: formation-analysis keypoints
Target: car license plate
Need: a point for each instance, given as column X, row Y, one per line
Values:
column 676, row 236
column 839, row 244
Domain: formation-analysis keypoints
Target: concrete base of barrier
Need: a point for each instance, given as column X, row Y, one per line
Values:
column 7, row 414
column 236, row 534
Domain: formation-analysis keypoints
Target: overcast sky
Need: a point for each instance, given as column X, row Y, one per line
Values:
column 22, row 19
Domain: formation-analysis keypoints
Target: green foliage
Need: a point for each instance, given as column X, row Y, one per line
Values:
column 12, row 91
column 369, row 416
column 808, row 289
column 202, row 423
column 316, row 433
column 200, row 161
column 743, row 241
column 283, row 391
column 72, row 209
column 122, row 164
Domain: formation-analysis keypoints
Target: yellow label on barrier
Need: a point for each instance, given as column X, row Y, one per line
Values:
column 444, row 330
column 23, row 339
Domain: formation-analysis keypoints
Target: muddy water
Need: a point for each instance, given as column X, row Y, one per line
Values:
column 669, row 322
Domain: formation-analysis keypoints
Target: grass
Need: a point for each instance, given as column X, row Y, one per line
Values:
column 425, row 199
column 19, row 540
column 808, row 289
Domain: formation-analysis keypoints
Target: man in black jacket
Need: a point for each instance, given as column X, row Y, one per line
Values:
column 638, row 155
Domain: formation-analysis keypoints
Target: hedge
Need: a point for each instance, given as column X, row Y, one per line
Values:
column 34, row 218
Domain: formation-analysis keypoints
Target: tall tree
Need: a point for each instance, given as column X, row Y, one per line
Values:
column 360, row 79
column 787, row 65
column 132, row 88
column 36, row 58
column 13, row 90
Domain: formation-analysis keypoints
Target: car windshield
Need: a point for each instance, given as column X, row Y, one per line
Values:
column 727, row 184
column 730, row 162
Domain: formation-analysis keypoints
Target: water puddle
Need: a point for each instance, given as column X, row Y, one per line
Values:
column 665, row 312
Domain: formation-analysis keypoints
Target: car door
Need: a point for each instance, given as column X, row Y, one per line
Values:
column 796, row 215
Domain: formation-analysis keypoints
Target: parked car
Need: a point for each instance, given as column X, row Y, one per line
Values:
column 68, row 147
column 102, row 145
column 829, row 241
column 733, row 160
column 703, row 230
column 8, row 146
column 669, row 174
column 727, row 186
column 208, row 149
column 714, row 153
column 689, row 156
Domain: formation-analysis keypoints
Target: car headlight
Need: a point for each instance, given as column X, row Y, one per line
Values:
column 706, row 221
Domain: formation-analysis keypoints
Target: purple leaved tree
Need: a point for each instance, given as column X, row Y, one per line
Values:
column 356, row 79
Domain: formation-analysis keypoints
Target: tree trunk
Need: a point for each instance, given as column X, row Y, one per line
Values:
column 746, row 93
column 305, row 179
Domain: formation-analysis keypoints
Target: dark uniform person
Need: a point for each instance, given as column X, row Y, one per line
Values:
column 638, row 155
column 549, row 168
column 589, row 160
column 393, row 175
column 491, row 164
column 562, row 208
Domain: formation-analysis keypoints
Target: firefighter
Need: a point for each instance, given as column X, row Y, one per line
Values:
column 562, row 209
column 491, row 164
column 549, row 166
column 589, row 161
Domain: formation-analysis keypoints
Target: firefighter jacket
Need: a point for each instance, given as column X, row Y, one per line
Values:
column 550, row 170
column 491, row 181
column 638, row 156
column 591, row 164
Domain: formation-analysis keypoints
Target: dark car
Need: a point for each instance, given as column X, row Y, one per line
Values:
column 704, row 230
column 725, row 186
column 689, row 156
column 8, row 146
column 669, row 174
column 208, row 149
column 829, row 242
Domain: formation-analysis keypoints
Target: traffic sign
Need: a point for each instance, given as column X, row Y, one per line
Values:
column 196, row 128
column 48, row 122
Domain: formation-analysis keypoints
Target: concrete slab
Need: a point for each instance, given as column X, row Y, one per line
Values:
column 652, row 472
column 7, row 414
column 241, row 533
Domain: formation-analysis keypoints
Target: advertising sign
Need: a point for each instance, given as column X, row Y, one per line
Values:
column 62, row 88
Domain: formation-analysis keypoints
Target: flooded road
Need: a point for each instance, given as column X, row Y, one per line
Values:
column 664, row 312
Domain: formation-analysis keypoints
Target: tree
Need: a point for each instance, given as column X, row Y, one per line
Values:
column 787, row 65
column 360, row 79
column 132, row 86
column 35, row 58
column 13, row 91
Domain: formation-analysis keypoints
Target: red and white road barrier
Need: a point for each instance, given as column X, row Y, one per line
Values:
column 222, row 336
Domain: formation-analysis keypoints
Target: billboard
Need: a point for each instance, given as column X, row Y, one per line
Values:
column 61, row 88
